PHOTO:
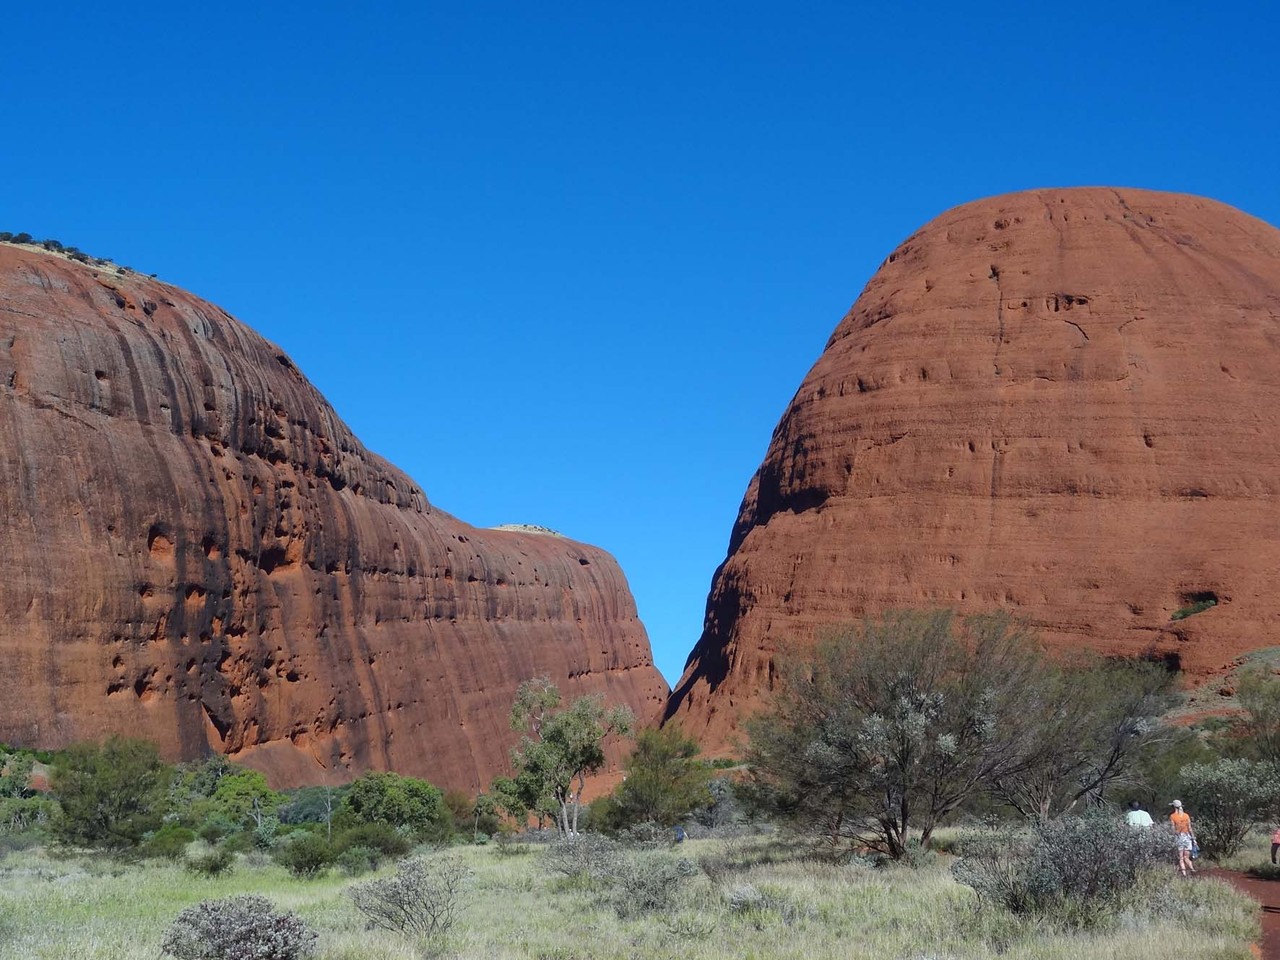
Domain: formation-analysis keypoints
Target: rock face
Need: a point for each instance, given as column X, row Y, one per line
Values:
column 198, row 551
column 1064, row 403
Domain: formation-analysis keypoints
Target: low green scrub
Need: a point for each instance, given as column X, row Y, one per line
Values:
column 170, row 842
column 211, row 863
column 305, row 855
column 1191, row 609
column 1077, row 871
column 775, row 900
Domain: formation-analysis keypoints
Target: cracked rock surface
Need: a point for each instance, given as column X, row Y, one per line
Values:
column 197, row 550
column 1062, row 403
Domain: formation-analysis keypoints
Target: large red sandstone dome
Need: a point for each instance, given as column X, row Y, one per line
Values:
column 1064, row 403
column 198, row 551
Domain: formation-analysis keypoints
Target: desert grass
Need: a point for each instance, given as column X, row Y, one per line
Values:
column 768, row 899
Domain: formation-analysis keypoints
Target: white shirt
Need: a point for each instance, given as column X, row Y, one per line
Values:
column 1138, row 818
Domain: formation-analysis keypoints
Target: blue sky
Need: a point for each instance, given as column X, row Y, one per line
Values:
column 566, row 263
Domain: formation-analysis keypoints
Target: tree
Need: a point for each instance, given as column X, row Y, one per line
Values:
column 517, row 797
column 1256, row 733
column 889, row 726
column 244, row 796
column 564, row 746
column 1229, row 798
column 400, row 801
column 15, row 773
column 1085, row 726
column 664, row 780
column 111, row 794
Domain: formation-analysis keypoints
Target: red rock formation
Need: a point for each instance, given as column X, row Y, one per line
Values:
column 1065, row 403
column 198, row 551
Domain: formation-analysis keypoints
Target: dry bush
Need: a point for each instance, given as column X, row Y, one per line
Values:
column 420, row 902
column 238, row 928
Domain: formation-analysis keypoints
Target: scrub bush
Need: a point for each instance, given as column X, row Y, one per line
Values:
column 214, row 863
column 238, row 928
column 305, row 855
column 420, row 902
column 1075, row 869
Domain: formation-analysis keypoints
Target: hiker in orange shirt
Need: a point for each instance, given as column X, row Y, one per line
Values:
column 1183, row 836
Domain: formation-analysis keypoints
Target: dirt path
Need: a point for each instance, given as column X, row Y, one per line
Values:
column 1267, row 893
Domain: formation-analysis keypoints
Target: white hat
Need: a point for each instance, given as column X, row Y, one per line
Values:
column 1177, row 803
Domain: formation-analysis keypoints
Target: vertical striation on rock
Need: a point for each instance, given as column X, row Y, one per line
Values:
column 198, row 551
column 1064, row 403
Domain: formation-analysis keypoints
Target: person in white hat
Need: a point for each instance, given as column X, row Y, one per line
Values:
column 1183, row 837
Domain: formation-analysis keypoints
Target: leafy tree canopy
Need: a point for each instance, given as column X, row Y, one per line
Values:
column 400, row 801
column 111, row 794
column 563, row 746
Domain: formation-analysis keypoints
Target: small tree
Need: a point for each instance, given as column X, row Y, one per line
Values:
column 111, row 794
column 1228, row 798
column 243, row 797
column 664, row 781
column 522, row 795
column 564, row 747
column 1084, row 727
column 400, row 801
column 1256, row 733
column 888, row 727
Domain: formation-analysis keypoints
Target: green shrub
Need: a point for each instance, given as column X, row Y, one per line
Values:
column 242, row 841
column 311, row 804
column 382, row 837
column 238, row 928
column 26, row 814
column 15, row 774
column 111, row 794
column 169, row 842
column 215, row 828
column 13, row 842
column 213, row 863
column 21, row 238
column 356, row 861
column 1200, row 606
column 305, row 855
column 398, row 801
column 1229, row 798
column 1074, row 870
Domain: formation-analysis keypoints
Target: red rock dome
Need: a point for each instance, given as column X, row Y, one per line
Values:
column 1063, row 403
column 198, row 551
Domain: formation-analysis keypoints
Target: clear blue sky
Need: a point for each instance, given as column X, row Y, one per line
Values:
column 566, row 263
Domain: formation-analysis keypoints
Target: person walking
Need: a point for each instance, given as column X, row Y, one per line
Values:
column 1139, row 818
column 1275, row 844
column 1183, row 837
